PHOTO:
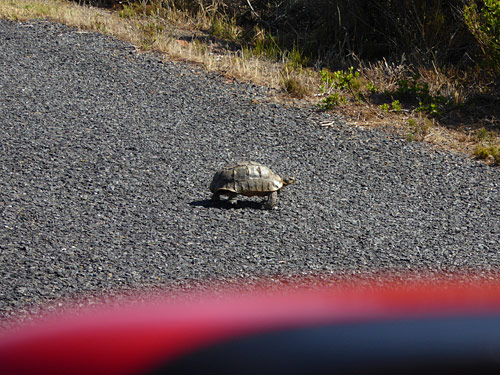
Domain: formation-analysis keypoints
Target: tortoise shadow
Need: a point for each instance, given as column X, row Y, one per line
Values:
column 225, row 205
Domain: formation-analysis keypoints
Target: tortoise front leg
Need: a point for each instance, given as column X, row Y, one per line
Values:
column 272, row 201
column 231, row 197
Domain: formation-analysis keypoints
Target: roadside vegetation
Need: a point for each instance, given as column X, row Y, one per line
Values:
column 427, row 71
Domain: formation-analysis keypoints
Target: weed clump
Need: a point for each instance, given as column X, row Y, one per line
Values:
column 418, row 128
column 486, row 149
column 295, row 88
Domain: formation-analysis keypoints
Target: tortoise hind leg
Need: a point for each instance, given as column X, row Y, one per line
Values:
column 232, row 198
column 272, row 201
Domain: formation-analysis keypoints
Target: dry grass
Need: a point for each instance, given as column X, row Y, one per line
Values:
column 207, row 38
column 176, row 37
column 455, row 129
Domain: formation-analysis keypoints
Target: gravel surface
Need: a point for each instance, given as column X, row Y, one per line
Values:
column 106, row 156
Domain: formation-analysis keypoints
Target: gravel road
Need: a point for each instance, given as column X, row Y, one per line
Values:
column 106, row 156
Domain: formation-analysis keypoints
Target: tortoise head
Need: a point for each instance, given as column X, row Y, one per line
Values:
column 288, row 181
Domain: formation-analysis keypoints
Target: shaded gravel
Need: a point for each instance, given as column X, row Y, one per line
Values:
column 106, row 155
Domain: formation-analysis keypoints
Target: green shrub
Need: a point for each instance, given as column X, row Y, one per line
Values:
column 371, row 88
column 341, row 80
column 483, row 20
column 332, row 101
column 385, row 107
column 396, row 106
column 417, row 92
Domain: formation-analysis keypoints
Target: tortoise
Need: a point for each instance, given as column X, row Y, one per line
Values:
column 248, row 178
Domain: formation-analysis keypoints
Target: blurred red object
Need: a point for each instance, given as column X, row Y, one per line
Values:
column 416, row 328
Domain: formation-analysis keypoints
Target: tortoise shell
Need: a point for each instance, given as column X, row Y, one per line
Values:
column 246, row 178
